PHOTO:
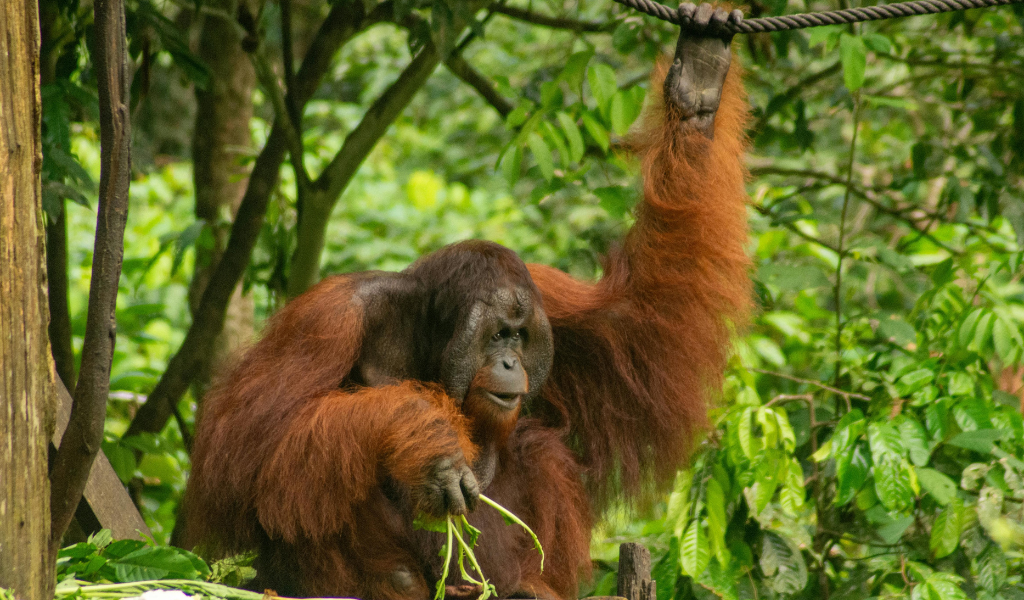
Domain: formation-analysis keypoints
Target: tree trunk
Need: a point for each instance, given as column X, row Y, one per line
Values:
column 27, row 394
column 221, row 139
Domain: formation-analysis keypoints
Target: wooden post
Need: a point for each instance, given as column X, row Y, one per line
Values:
column 635, row 581
column 26, row 369
column 106, row 502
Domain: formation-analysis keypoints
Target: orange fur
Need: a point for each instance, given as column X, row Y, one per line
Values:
column 316, row 476
column 639, row 354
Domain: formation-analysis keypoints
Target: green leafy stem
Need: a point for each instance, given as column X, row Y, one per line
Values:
column 459, row 532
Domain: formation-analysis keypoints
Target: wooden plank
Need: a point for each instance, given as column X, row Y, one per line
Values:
column 104, row 492
column 634, row 579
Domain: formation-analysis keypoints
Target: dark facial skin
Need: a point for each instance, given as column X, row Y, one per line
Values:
column 483, row 336
column 505, row 339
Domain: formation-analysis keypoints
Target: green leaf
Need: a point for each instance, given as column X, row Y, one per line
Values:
column 945, row 587
column 991, row 566
column 430, row 523
column 722, row 579
column 853, row 55
column 786, row 434
column 792, row 495
column 1005, row 337
column 945, row 532
column 983, row 332
column 769, row 427
column 573, row 135
column 619, row 113
column 980, row 440
column 511, row 164
column 626, row 36
column 916, row 442
column 915, row 380
column 851, row 473
column 155, row 563
column 541, row 154
column 885, row 442
column 782, row 563
column 898, row 331
column 766, row 481
column 967, row 328
column 960, row 384
column 602, row 85
column 877, row 42
column 551, row 134
column 574, row 69
column 717, row 523
column 893, row 530
column 185, row 240
column 694, row 554
column 937, row 484
column 596, row 131
column 79, row 550
column 745, row 434
column 617, row 200
column 122, row 459
column 892, row 483
column 822, row 34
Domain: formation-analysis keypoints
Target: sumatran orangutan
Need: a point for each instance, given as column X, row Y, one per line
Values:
column 375, row 397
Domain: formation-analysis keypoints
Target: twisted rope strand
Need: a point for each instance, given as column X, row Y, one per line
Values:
column 832, row 17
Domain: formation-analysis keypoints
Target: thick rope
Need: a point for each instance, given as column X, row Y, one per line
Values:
column 832, row 17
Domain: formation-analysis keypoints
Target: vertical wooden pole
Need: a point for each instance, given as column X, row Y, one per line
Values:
column 635, row 581
column 26, row 370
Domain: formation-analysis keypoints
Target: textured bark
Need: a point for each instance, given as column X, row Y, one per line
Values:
column 26, row 378
column 634, row 580
column 221, row 139
column 82, row 439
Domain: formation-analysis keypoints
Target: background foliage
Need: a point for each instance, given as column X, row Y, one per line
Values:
column 869, row 442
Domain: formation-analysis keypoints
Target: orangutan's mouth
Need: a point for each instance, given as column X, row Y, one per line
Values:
column 505, row 401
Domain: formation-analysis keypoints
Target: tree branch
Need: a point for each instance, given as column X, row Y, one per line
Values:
column 344, row 21
column 283, row 115
column 868, row 195
column 554, row 22
column 475, row 79
column 326, row 190
column 57, row 284
column 82, row 439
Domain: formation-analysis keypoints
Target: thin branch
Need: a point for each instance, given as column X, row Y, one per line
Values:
column 292, row 112
column 282, row 115
column 842, row 236
column 810, row 238
column 815, row 383
column 57, row 287
column 868, row 195
column 475, row 79
column 783, row 398
column 344, row 21
column 555, row 22
column 84, row 434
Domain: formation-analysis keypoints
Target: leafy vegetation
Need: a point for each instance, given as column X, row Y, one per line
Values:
column 869, row 442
